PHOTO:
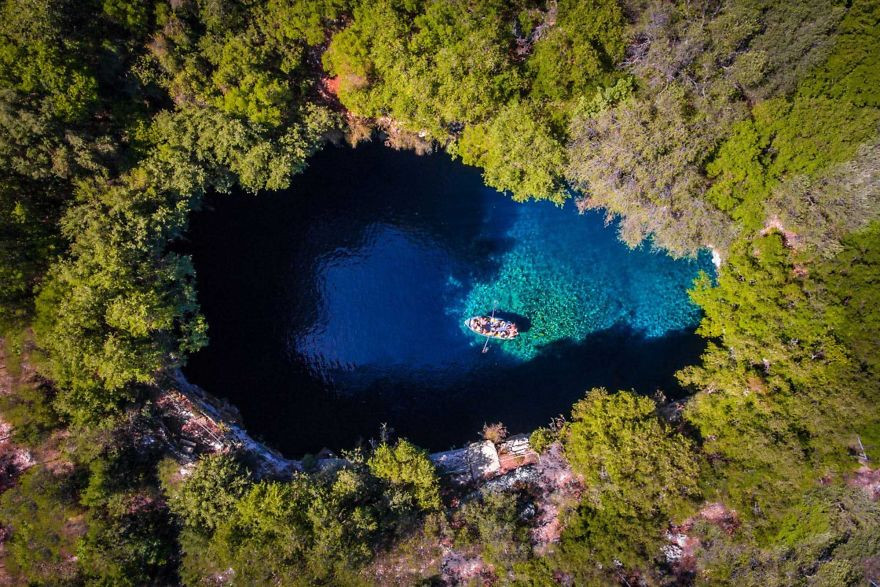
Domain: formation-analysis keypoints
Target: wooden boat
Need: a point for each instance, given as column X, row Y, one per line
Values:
column 492, row 327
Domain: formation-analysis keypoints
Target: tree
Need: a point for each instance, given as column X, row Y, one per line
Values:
column 407, row 468
column 518, row 153
column 131, row 543
column 38, row 58
column 121, row 307
column 578, row 52
column 299, row 531
column 207, row 497
column 781, row 391
column 40, row 512
column 643, row 160
column 265, row 537
column 427, row 65
column 639, row 475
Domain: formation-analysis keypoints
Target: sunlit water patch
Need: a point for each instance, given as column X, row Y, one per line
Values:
column 339, row 304
column 570, row 278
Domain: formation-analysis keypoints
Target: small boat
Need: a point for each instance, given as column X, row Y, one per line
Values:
column 492, row 327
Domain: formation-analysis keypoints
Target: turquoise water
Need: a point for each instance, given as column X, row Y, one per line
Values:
column 568, row 275
column 338, row 305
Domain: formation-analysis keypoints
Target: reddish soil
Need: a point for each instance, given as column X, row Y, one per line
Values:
column 792, row 240
column 330, row 85
column 558, row 487
column 458, row 568
column 14, row 459
column 869, row 480
column 681, row 550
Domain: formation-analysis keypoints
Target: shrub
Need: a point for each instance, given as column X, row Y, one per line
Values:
column 206, row 498
column 407, row 467
column 495, row 433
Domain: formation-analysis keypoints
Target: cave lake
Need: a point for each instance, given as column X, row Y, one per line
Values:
column 338, row 305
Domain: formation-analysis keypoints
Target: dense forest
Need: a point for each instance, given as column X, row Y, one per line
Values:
column 747, row 126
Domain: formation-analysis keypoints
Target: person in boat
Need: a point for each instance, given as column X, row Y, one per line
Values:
column 493, row 327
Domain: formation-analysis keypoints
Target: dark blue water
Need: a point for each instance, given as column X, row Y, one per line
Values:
column 338, row 305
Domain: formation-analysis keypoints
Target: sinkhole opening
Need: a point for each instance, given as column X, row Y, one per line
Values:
column 339, row 304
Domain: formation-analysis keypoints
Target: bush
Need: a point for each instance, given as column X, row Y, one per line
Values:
column 207, row 497
column 495, row 433
column 639, row 475
column 407, row 468
column 493, row 522
column 41, row 513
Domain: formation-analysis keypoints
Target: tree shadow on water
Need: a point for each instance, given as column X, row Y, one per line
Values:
column 527, row 395
column 522, row 395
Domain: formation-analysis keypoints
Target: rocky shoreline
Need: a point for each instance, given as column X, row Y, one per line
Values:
column 195, row 422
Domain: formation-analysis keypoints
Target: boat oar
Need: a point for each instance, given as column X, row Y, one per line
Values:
column 486, row 344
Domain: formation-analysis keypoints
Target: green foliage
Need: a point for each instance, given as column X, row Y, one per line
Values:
column 785, row 41
column 783, row 392
column 408, row 469
column 801, row 140
column 206, row 147
column 851, row 278
column 647, row 159
column 133, row 15
column 37, row 58
column 802, row 523
column 265, row 536
column 436, row 67
column 302, row 20
column 247, row 91
column 821, row 211
column 392, row 57
column 829, row 537
column 740, row 177
column 727, row 118
column 93, row 515
column 541, row 438
column 643, row 160
column 299, row 532
column 129, row 536
column 493, row 521
column 29, row 411
column 852, row 71
column 517, row 152
column 26, row 244
column 131, row 544
column 638, row 475
column 604, row 98
column 121, row 308
column 26, row 404
column 575, row 55
column 42, row 515
column 784, row 139
column 250, row 62
column 66, row 105
column 759, row 278
column 788, row 140
column 208, row 495
column 35, row 164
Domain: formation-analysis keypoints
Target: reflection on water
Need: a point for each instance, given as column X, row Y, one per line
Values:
column 339, row 304
column 378, row 303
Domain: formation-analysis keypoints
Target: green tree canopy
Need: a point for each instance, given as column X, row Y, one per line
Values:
column 638, row 475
